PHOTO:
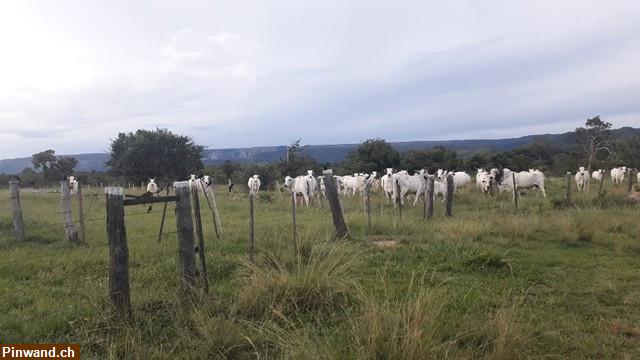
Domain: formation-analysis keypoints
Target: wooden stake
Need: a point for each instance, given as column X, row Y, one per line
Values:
column 184, row 225
column 600, row 186
column 399, row 200
column 449, row 197
column 83, row 238
column 252, row 238
column 567, row 195
column 630, row 185
column 118, row 251
column 367, row 190
column 293, row 221
column 331, row 188
column 515, row 192
column 69, row 228
column 16, row 209
column 200, row 236
column 164, row 214
column 210, row 196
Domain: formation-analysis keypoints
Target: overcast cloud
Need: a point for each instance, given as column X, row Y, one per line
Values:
column 246, row 73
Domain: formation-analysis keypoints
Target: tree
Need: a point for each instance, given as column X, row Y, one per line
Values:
column 228, row 168
column 372, row 155
column 297, row 162
column 155, row 153
column 432, row 159
column 53, row 167
column 595, row 138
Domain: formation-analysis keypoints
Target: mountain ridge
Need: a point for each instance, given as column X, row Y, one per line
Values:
column 330, row 152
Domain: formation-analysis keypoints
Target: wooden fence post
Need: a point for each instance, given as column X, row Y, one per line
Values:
column 118, row 251
column 294, row 205
column 399, row 200
column 200, row 235
column 567, row 195
column 331, row 188
column 367, row 191
column 18, row 223
column 600, row 186
column 430, row 191
column 210, row 196
column 83, row 238
column 252, row 238
column 186, row 246
column 449, row 197
column 69, row 228
column 164, row 214
column 630, row 185
column 515, row 192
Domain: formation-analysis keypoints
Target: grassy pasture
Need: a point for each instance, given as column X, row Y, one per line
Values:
column 548, row 282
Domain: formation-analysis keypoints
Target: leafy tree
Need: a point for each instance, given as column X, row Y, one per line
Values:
column 432, row 159
column 372, row 155
column 628, row 151
column 297, row 162
column 594, row 138
column 477, row 161
column 228, row 168
column 155, row 153
column 53, row 167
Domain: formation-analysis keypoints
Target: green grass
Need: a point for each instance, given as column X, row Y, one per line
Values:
column 551, row 281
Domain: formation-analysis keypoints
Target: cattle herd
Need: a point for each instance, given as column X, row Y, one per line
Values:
column 399, row 184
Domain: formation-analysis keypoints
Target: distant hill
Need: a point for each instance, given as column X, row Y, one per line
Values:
column 329, row 153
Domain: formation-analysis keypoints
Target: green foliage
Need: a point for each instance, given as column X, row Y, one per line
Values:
column 54, row 167
column 154, row 154
column 372, row 155
column 297, row 161
column 438, row 157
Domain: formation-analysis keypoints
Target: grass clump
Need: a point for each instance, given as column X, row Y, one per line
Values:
column 316, row 283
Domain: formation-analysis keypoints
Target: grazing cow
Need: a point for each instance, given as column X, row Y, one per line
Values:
column 597, row 175
column 254, row 184
column 388, row 184
column 460, row 179
column 410, row 184
column 617, row 175
column 582, row 179
column 298, row 186
column 152, row 187
column 524, row 180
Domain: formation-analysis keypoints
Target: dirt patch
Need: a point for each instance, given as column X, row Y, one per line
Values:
column 634, row 197
column 386, row 243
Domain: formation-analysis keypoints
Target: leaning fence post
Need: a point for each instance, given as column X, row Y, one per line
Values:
column 164, row 214
column 18, row 223
column 334, row 204
column 211, row 202
column 449, row 197
column 252, row 238
column 118, row 251
column 293, row 221
column 184, row 224
column 367, row 191
column 515, row 192
column 567, row 196
column 81, row 214
column 399, row 200
column 630, row 185
column 69, row 228
column 200, row 235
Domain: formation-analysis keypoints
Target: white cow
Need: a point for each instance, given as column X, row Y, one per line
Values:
column 193, row 181
column 299, row 185
column 597, row 175
column 73, row 185
column 254, row 184
column 388, row 184
column 485, row 181
column 617, row 175
column 582, row 179
column 152, row 187
column 410, row 184
column 479, row 174
column 524, row 180
column 638, row 176
column 460, row 179
column 313, row 183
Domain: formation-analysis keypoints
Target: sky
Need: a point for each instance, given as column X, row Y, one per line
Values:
column 74, row 74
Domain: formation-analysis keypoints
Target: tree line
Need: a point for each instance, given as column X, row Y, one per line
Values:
column 165, row 156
